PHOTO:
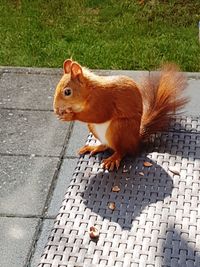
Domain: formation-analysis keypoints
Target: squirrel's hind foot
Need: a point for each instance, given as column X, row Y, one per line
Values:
column 112, row 162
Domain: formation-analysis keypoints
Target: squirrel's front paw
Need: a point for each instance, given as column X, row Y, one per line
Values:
column 66, row 117
column 92, row 149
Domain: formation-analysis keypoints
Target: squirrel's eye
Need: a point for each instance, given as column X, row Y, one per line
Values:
column 67, row 91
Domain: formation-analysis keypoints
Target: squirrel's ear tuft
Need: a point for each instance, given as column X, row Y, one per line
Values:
column 67, row 65
column 76, row 70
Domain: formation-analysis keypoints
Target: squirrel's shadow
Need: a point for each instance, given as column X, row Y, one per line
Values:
column 139, row 187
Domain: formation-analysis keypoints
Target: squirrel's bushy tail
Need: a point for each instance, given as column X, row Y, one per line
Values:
column 162, row 97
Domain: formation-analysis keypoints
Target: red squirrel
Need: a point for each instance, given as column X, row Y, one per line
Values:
column 119, row 113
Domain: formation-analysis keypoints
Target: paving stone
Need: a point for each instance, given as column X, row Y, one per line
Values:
column 25, row 183
column 77, row 139
column 65, row 175
column 16, row 240
column 41, row 242
column 31, row 132
column 193, row 91
column 27, row 91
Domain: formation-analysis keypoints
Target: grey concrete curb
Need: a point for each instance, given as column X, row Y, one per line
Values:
column 31, row 70
column 58, row 71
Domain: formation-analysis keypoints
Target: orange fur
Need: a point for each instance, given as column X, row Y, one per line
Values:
column 162, row 97
column 130, row 112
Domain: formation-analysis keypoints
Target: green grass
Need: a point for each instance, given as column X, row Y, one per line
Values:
column 106, row 34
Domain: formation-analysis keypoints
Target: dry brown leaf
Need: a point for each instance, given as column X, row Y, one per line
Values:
column 147, row 164
column 93, row 232
column 115, row 188
column 174, row 170
column 141, row 173
column 111, row 205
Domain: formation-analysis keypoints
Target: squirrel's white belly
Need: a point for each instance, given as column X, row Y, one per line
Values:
column 100, row 130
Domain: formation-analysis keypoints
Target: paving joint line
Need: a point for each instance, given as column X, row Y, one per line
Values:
column 61, row 157
column 28, row 216
column 48, row 199
column 28, row 155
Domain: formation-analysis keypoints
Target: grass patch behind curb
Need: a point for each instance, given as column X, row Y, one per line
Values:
column 104, row 34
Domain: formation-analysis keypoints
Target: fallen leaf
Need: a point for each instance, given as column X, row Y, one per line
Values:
column 147, row 164
column 116, row 188
column 174, row 170
column 141, row 173
column 111, row 205
column 93, row 232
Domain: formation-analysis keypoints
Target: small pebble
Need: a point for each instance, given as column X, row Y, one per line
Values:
column 93, row 232
column 141, row 173
column 116, row 188
column 147, row 164
column 111, row 205
column 174, row 170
